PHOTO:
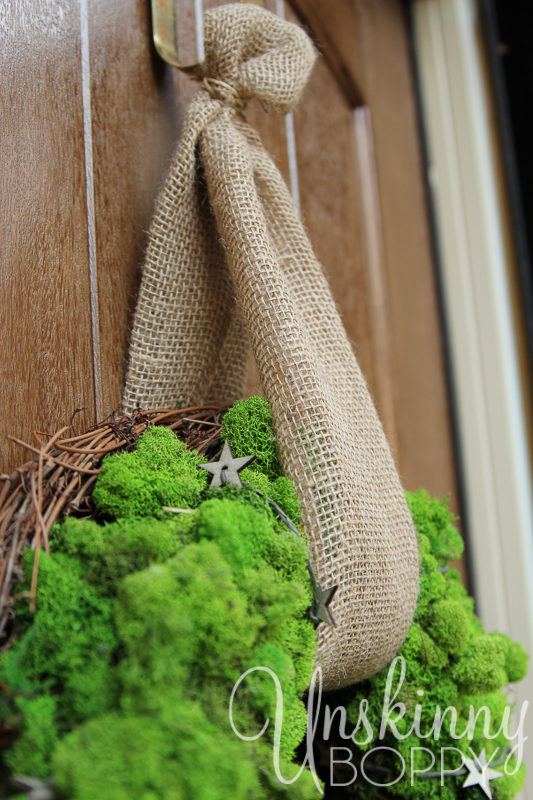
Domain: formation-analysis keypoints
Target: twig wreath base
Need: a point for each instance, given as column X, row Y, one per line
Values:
column 59, row 479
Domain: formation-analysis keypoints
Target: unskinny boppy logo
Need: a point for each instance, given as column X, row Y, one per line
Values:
column 478, row 769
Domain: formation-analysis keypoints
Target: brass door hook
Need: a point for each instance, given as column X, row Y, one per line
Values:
column 164, row 25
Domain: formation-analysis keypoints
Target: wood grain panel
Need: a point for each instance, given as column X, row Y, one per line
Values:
column 46, row 367
column 334, row 27
column 136, row 112
column 422, row 413
column 375, row 271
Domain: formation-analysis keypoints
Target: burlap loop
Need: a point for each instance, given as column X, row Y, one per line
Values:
column 229, row 264
column 259, row 55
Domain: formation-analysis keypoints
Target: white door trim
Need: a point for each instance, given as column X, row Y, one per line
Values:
column 479, row 319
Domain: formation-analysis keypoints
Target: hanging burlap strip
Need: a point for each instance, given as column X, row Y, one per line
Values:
column 229, row 263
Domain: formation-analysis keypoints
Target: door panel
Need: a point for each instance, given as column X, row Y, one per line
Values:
column 47, row 364
column 359, row 172
column 136, row 120
column 46, row 360
column 334, row 28
column 425, row 450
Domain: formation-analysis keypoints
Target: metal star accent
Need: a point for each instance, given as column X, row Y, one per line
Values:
column 231, row 466
column 479, row 773
column 37, row 789
column 320, row 611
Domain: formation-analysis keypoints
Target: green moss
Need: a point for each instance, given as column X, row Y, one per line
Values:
column 450, row 663
column 508, row 786
column 421, row 653
column 32, row 751
column 248, row 426
column 284, row 495
column 121, row 681
column 281, row 491
column 160, row 472
column 192, row 599
column 516, row 661
column 110, row 553
column 450, row 625
column 120, row 757
column 232, row 526
column 246, row 537
column 245, row 496
column 71, row 643
column 258, row 480
column 480, row 667
column 434, row 520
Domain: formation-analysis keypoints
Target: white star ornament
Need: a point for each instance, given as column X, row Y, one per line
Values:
column 479, row 773
column 231, row 467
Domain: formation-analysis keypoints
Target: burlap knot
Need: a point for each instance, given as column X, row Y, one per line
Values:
column 258, row 55
column 229, row 264
column 220, row 90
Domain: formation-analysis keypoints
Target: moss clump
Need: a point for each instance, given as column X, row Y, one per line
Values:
column 112, row 551
column 480, row 669
column 449, row 625
column 121, row 681
column 160, row 472
column 248, row 426
column 183, row 758
column 434, row 521
column 516, row 660
column 453, row 663
column 33, row 751
column 73, row 634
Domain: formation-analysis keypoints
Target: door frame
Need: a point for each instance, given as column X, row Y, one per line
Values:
column 485, row 333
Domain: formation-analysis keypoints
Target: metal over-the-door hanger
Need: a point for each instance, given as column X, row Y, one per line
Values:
column 165, row 32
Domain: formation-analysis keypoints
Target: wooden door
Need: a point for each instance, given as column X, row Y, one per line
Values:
column 89, row 118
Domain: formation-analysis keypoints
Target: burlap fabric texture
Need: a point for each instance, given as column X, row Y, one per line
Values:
column 229, row 265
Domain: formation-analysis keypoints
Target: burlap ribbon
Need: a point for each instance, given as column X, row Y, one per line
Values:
column 229, row 263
